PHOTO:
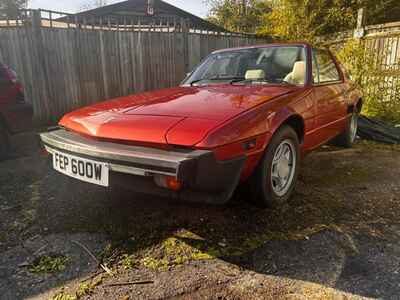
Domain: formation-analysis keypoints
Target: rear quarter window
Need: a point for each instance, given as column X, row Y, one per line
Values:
column 328, row 71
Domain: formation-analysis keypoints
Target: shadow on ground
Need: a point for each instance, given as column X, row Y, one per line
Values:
column 339, row 234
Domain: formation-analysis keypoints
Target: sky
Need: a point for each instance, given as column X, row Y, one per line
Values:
column 196, row 7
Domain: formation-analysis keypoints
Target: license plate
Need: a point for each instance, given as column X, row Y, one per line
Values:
column 80, row 168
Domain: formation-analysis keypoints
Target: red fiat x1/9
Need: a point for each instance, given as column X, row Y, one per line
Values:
column 244, row 115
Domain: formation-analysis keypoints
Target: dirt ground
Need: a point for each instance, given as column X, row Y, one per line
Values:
column 338, row 238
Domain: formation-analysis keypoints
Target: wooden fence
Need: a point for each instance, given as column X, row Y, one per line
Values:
column 382, row 41
column 65, row 62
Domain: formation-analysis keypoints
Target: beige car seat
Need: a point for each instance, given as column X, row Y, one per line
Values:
column 255, row 74
column 298, row 75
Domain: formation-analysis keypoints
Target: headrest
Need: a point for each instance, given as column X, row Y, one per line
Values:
column 255, row 74
column 299, row 72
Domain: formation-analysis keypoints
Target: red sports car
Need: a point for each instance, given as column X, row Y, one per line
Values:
column 244, row 115
column 15, row 113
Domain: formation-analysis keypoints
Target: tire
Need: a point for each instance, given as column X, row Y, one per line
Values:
column 265, row 188
column 346, row 138
column 4, row 143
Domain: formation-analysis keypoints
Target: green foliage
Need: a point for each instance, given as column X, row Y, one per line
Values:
column 234, row 15
column 128, row 261
column 177, row 250
column 357, row 61
column 298, row 19
column 381, row 11
column 49, row 264
column 86, row 288
column 306, row 19
column 380, row 90
column 63, row 296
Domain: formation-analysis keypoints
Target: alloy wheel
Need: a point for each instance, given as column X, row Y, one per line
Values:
column 283, row 167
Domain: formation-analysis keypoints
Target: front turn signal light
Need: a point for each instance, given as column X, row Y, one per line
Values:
column 168, row 182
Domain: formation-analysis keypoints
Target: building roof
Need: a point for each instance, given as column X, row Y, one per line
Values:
column 135, row 9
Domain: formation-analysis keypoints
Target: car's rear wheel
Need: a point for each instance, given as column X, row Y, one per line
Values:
column 348, row 137
column 276, row 176
column 4, row 143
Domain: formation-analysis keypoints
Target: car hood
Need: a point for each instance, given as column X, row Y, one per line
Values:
column 150, row 117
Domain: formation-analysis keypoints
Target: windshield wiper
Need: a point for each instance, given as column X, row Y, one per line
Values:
column 286, row 82
column 248, row 80
column 231, row 79
column 261, row 80
column 198, row 80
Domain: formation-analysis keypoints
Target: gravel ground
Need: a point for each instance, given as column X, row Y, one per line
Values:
column 338, row 238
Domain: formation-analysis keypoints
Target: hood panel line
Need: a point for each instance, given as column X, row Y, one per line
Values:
column 172, row 127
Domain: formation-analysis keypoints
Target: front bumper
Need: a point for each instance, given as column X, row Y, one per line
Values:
column 204, row 178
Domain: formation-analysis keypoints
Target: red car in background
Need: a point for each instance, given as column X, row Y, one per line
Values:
column 15, row 113
column 245, row 115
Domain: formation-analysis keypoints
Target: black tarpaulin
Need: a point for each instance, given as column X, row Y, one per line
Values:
column 374, row 130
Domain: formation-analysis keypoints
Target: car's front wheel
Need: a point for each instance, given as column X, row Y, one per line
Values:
column 276, row 176
column 4, row 143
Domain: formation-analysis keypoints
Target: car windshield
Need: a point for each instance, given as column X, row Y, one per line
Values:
column 267, row 65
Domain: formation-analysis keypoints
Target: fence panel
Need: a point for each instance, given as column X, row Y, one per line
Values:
column 68, row 63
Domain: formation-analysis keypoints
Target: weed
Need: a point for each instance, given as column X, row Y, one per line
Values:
column 128, row 262
column 49, row 264
column 63, row 296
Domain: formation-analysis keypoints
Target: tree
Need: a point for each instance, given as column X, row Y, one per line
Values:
column 381, row 11
column 10, row 8
column 306, row 19
column 238, row 15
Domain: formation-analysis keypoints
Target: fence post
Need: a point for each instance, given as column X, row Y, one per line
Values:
column 185, row 34
column 359, row 32
column 41, row 80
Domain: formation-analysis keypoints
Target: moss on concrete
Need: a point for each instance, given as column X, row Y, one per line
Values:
column 49, row 264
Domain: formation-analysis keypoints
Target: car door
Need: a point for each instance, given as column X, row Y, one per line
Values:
column 329, row 94
column 5, row 87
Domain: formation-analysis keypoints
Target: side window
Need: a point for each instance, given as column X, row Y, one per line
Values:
column 326, row 66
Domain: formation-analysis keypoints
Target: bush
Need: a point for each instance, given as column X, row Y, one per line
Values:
column 380, row 88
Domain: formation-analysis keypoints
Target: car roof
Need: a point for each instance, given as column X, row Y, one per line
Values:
column 299, row 44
